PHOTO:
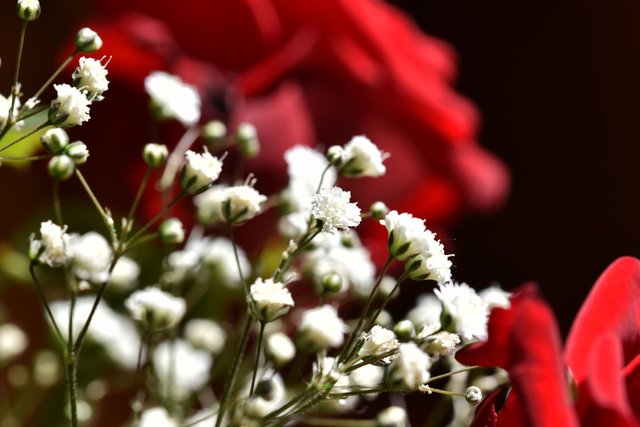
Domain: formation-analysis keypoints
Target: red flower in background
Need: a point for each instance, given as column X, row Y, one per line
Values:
column 310, row 73
column 602, row 352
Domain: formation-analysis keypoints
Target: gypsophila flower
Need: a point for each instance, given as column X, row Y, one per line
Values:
column 465, row 312
column 411, row 367
column 154, row 155
column 172, row 98
column 78, row 152
column 91, row 257
column 91, row 78
column 209, row 204
column 393, row 416
column 494, row 296
column 214, row 130
column 279, row 348
column 199, row 171
column 473, row 395
column 332, row 208
column 125, row 273
column 53, row 247
column 205, row 334
column 241, row 203
column 404, row 233
column 5, row 106
column 70, row 108
column 155, row 308
column 431, row 263
column 171, row 231
column 379, row 341
column 61, row 167
column 54, row 140
column 156, row 417
column 366, row 377
column 88, row 40
column 321, row 327
column 181, row 369
column 305, row 167
column 363, row 158
column 270, row 397
column 180, row 266
column 13, row 341
column 442, row 343
column 29, row 10
column 269, row 300
column 426, row 311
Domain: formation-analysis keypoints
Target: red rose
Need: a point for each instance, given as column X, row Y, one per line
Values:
column 311, row 73
column 602, row 353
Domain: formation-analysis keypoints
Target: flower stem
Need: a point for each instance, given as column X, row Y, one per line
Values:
column 57, row 209
column 452, row 373
column 156, row 218
column 56, row 328
column 231, row 380
column 14, row 87
column 237, row 257
column 94, row 200
column 55, row 74
column 23, row 137
column 373, row 318
column 72, row 364
column 255, row 366
column 24, row 158
column 136, row 201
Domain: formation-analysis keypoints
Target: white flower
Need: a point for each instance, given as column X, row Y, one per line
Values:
column 379, row 341
column 466, row 310
column 70, row 108
column 321, row 327
column 172, row 231
column 91, row 257
column 367, row 376
column 219, row 260
column 209, row 204
column 393, row 416
column 88, row 40
column 269, row 300
column 54, row 245
column 363, row 158
column 173, row 98
column 157, row 417
column 91, row 78
column 5, row 106
column 12, row 341
column 154, row 155
column 259, row 406
column 180, row 265
column 115, row 332
column 442, row 343
column 494, row 296
column 243, row 203
column 427, row 310
column 125, row 273
column 153, row 305
column 279, row 348
column 199, row 171
column 431, row 263
column 305, row 168
column 405, row 232
column 332, row 208
column 181, row 368
column 205, row 334
column 28, row 10
column 411, row 367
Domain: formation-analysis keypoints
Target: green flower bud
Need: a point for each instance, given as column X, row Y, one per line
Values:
column 88, row 40
column 473, row 395
column 29, row 10
column 61, row 167
column 247, row 139
column 214, row 131
column 404, row 330
column 78, row 151
column 172, row 231
column 336, row 155
column 378, row 210
column 55, row 140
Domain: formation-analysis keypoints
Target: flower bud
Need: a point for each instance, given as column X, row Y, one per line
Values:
column 269, row 300
column 61, row 167
column 331, row 283
column 214, row 131
column 78, row 151
column 405, row 330
column 172, row 231
column 265, row 389
column 378, row 210
column 473, row 395
column 88, row 40
column 55, row 140
column 247, row 139
column 279, row 348
column 336, row 155
column 29, row 10
column 154, row 155
column 393, row 416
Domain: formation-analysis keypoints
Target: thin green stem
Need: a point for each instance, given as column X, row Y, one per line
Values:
column 156, row 218
column 298, row 398
column 237, row 257
column 337, row 422
column 255, row 366
column 24, row 158
column 14, row 87
column 136, row 201
column 450, row 374
column 94, row 200
column 362, row 391
column 23, row 137
column 301, row 245
column 429, row 390
column 52, row 319
column 231, row 380
column 71, row 388
column 57, row 209
column 373, row 318
column 55, row 74
column 324, row 172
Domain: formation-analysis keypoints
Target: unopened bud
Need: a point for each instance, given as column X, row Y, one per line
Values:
column 331, row 283
column 336, row 155
column 88, row 40
column 55, row 140
column 214, row 131
column 154, row 155
column 172, row 231
column 404, row 330
column 247, row 139
column 473, row 395
column 61, row 167
column 78, row 151
column 29, row 10
column 378, row 210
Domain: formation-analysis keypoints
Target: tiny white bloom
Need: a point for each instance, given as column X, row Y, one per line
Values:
column 269, row 300
column 332, row 207
column 367, row 376
column 125, row 273
column 209, row 204
column 467, row 311
column 91, row 257
column 206, row 334
column 321, row 327
column 379, row 341
column 157, row 417
column 411, row 367
column 404, row 234
column 258, row 405
column 431, row 263
column 180, row 265
column 495, row 296
column 5, row 106
column 154, row 155
column 279, row 348
column 363, row 158
column 199, row 171
column 91, row 77
column 305, row 167
column 171, row 231
column 53, row 247
column 153, row 305
column 174, row 98
column 70, row 108
column 427, row 310
column 28, row 10
column 181, row 368
column 13, row 341
column 88, row 40
column 442, row 343
column 243, row 202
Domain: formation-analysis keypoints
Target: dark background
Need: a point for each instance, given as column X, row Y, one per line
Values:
column 557, row 85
